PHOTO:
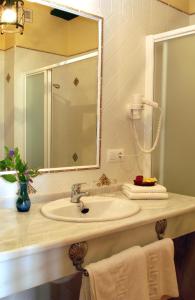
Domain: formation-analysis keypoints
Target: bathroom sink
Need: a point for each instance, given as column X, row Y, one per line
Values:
column 100, row 209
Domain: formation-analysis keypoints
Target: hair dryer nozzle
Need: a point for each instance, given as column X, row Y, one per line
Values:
column 151, row 103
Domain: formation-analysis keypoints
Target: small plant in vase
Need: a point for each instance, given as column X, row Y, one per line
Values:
column 23, row 175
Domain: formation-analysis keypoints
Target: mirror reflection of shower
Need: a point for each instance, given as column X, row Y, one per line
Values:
column 62, row 100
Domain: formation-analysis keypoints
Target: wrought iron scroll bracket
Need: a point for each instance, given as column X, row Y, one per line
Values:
column 77, row 253
column 160, row 228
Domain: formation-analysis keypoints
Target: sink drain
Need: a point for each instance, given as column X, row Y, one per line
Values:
column 85, row 210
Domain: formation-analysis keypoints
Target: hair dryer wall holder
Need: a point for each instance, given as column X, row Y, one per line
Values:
column 135, row 110
column 138, row 105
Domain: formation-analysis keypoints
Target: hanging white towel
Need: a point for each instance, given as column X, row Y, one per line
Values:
column 162, row 279
column 157, row 188
column 85, row 289
column 120, row 277
column 144, row 196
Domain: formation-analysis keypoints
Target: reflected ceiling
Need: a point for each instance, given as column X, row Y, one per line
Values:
column 187, row 6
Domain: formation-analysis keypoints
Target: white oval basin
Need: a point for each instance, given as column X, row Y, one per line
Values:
column 100, row 209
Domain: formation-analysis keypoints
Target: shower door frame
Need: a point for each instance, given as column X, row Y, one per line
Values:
column 48, row 106
column 151, row 40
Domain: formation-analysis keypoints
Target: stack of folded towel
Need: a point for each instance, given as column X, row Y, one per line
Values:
column 136, row 192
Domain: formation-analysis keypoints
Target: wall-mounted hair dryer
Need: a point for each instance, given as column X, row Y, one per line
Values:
column 135, row 109
column 137, row 105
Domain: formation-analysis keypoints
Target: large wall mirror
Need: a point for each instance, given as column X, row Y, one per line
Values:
column 50, row 88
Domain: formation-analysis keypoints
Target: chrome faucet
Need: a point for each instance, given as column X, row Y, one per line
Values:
column 76, row 193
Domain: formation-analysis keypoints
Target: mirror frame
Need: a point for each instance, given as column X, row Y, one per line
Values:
column 99, row 19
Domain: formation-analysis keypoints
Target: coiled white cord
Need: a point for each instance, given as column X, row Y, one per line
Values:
column 156, row 139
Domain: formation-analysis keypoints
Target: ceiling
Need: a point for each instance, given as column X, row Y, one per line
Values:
column 187, row 6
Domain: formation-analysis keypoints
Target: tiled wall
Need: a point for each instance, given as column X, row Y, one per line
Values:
column 74, row 111
column 1, row 99
column 126, row 23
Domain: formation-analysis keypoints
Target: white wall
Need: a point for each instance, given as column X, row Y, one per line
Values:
column 126, row 23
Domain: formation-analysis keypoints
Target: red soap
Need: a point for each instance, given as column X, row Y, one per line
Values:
column 139, row 178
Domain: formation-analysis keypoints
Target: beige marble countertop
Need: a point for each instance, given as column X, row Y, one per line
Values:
column 28, row 233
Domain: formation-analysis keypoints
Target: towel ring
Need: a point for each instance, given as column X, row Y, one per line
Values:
column 77, row 253
column 160, row 228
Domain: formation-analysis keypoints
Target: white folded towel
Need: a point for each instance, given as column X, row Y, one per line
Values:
column 161, row 270
column 122, row 276
column 144, row 196
column 144, row 189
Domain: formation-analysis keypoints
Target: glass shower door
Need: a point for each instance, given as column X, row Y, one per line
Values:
column 174, row 161
column 35, row 95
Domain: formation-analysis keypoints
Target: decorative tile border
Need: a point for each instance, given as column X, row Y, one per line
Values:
column 103, row 180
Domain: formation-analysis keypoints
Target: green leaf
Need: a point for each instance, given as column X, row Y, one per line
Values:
column 16, row 151
column 9, row 177
column 2, row 165
column 15, row 162
column 6, row 150
column 33, row 172
column 22, row 177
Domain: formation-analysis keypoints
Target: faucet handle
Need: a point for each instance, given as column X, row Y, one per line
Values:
column 77, row 187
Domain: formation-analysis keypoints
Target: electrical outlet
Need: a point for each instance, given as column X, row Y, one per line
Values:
column 115, row 155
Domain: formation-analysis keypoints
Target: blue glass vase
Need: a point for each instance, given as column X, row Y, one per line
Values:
column 23, row 202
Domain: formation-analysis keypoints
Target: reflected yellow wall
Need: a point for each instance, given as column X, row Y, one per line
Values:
column 188, row 6
column 2, row 42
column 179, row 4
column 191, row 6
column 83, row 35
column 46, row 33
column 10, row 40
column 7, row 41
column 54, row 35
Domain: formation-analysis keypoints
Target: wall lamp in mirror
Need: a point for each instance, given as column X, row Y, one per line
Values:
column 12, row 16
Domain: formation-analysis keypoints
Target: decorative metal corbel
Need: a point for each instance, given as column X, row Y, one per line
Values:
column 77, row 253
column 160, row 228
